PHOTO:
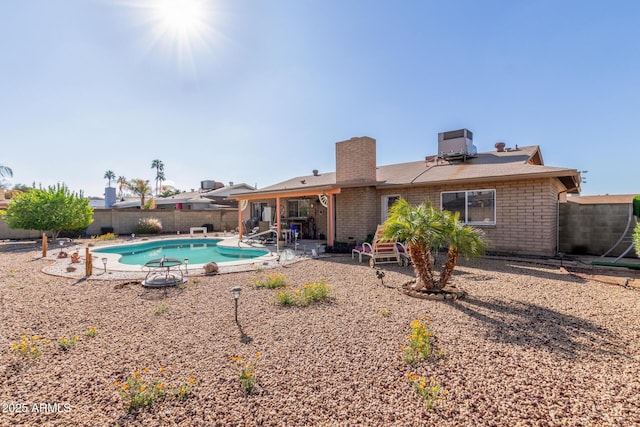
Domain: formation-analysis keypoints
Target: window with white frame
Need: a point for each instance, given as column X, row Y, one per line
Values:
column 387, row 202
column 477, row 207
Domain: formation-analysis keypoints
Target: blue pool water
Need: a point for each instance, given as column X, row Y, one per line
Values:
column 199, row 251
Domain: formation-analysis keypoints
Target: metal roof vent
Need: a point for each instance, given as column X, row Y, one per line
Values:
column 456, row 145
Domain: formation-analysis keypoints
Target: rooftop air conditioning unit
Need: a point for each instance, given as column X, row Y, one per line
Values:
column 456, row 144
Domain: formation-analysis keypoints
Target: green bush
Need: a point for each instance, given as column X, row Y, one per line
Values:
column 148, row 226
column 636, row 239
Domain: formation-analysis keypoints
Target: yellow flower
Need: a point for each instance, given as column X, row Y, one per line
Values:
column 125, row 387
column 236, row 358
column 160, row 386
column 135, row 373
column 116, row 384
column 146, row 369
column 143, row 387
column 162, row 369
column 35, row 338
column 192, row 380
column 257, row 354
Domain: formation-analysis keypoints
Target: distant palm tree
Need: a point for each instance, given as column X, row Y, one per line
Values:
column 109, row 175
column 140, row 187
column 123, row 184
column 159, row 167
column 5, row 171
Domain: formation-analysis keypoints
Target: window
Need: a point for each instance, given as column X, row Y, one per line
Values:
column 257, row 209
column 387, row 202
column 475, row 207
column 298, row 208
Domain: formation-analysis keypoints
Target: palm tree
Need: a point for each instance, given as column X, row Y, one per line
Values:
column 462, row 240
column 122, row 185
column 140, row 187
column 5, row 171
column 109, row 175
column 421, row 229
column 159, row 167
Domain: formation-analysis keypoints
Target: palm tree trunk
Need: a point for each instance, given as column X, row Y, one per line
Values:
column 422, row 266
column 447, row 269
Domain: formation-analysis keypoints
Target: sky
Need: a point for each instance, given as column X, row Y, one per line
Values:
column 259, row 91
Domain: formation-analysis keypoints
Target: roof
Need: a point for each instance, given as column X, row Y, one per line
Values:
column 606, row 199
column 519, row 163
column 228, row 190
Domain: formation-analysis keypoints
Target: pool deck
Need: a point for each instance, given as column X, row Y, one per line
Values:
column 118, row 271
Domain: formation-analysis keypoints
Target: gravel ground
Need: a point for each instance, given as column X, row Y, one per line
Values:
column 529, row 346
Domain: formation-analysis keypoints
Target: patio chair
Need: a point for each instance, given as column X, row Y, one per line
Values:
column 404, row 254
column 381, row 251
column 364, row 248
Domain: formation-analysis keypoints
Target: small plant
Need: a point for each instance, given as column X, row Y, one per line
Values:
column 271, row 281
column 162, row 308
column 67, row 343
column 385, row 312
column 137, row 392
column 422, row 342
column 308, row 293
column 106, row 236
column 430, row 391
column 92, row 332
column 285, row 297
column 29, row 346
column 148, row 226
column 247, row 374
column 316, row 291
column 185, row 388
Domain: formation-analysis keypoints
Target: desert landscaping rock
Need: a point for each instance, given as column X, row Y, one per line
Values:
column 528, row 345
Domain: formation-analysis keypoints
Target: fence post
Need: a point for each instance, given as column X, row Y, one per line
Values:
column 88, row 265
column 44, row 245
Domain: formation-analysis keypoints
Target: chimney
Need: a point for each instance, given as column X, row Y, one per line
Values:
column 356, row 160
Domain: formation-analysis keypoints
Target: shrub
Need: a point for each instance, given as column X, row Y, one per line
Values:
column 308, row 293
column 148, row 226
column 340, row 248
column 271, row 281
column 636, row 239
column 106, row 236
column 67, row 343
column 422, row 343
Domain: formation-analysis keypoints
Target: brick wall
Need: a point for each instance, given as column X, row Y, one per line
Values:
column 356, row 160
column 357, row 213
column 526, row 213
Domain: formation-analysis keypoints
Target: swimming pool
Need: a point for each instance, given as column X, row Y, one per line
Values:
column 198, row 251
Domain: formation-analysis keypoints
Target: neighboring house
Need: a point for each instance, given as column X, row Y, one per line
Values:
column 508, row 193
column 192, row 200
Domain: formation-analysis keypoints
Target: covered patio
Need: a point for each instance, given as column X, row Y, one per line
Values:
column 309, row 213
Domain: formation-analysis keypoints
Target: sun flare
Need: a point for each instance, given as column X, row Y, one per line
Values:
column 183, row 16
column 182, row 29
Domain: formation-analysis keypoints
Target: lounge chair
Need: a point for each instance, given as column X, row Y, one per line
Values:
column 380, row 251
column 359, row 250
column 404, row 254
